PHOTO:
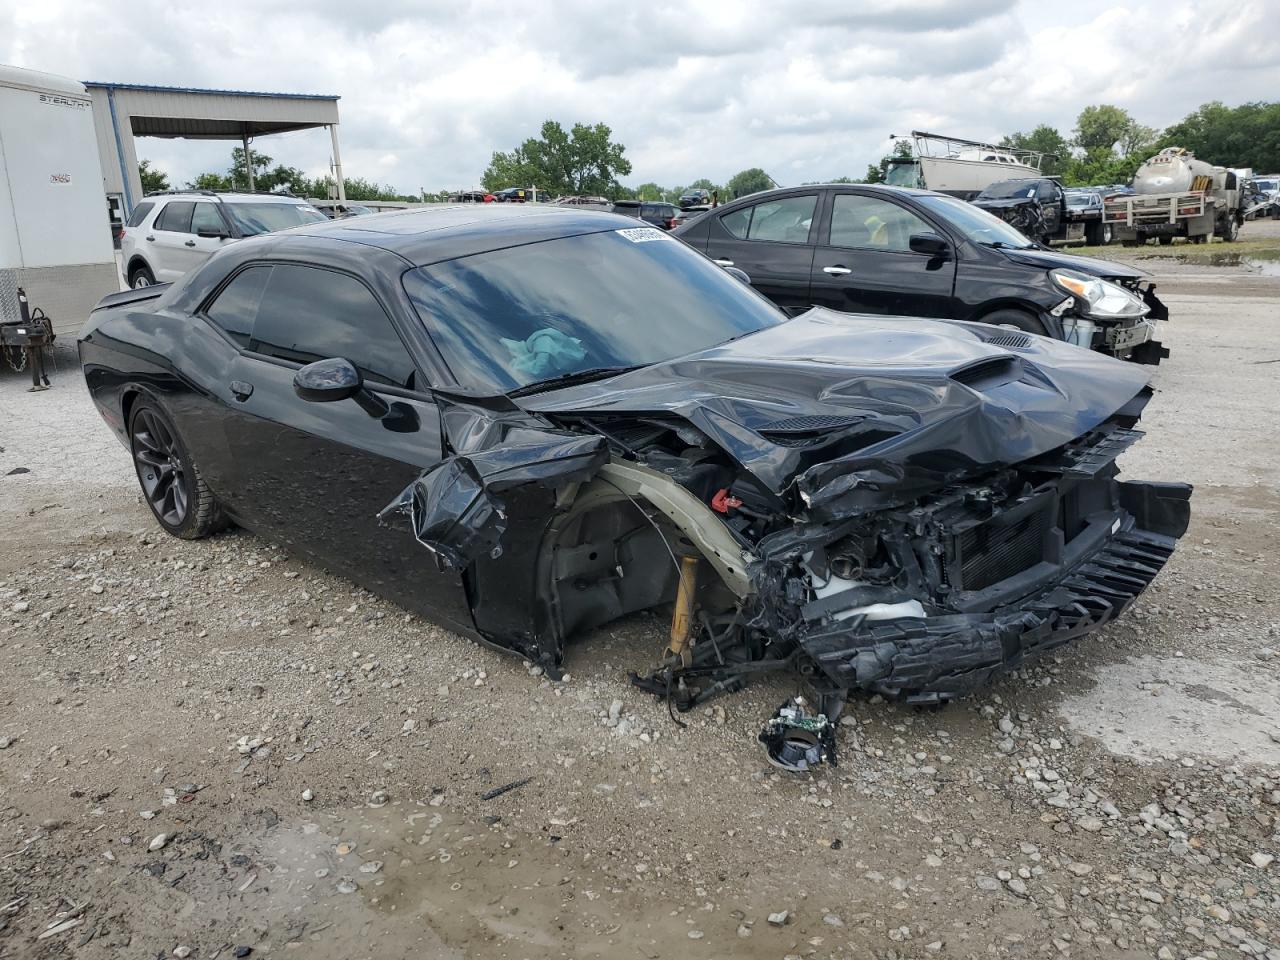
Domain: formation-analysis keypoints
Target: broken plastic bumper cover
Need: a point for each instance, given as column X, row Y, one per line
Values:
column 935, row 659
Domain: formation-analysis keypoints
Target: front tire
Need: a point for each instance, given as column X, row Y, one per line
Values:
column 171, row 482
column 1018, row 319
column 1165, row 240
column 141, row 276
column 1230, row 230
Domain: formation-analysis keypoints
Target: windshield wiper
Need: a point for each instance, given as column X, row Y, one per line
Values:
column 569, row 379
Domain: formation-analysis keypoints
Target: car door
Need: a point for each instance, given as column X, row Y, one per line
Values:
column 314, row 476
column 170, row 240
column 864, row 262
column 771, row 242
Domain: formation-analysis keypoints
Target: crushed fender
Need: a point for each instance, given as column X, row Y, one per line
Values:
column 456, row 508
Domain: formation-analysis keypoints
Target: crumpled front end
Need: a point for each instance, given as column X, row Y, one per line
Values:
column 909, row 523
column 1025, row 215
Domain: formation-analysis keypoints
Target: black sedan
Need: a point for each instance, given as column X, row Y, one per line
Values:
column 526, row 422
column 912, row 253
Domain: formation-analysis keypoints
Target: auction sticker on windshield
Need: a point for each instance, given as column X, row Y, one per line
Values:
column 642, row 234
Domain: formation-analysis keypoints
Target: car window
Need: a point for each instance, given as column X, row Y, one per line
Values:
column 235, row 308
column 512, row 317
column 140, row 213
column 255, row 218
column 1046, row 191
column 176, row 217
column 784, row 221
column 870, row 222
column 737, row 222
column 206, row 217
column 306, row 314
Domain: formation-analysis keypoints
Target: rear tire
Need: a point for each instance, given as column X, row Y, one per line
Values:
column 1165, row 240
column 1018, row 319
column 141, row 276
column 171, row 482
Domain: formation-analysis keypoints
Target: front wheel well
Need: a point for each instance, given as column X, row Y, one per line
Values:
column 134, row 264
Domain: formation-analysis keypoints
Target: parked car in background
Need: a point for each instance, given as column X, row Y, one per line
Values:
column 685, row 214
column 694, row 197
column 337, row 211
column 912, row 253
column 656, row 212
column 1084, row 205
column 479, row 414
column 169, row 234
column 1036, row 206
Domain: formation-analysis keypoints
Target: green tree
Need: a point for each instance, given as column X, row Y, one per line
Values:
column 1243, row 136
column 1045, row 140
column 749, row 181
column 210, row 181
column 583, row 160
column 1100, row 127
column 651, row 191
column 153, row 179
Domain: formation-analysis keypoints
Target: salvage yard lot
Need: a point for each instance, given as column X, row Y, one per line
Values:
column 1119, row 800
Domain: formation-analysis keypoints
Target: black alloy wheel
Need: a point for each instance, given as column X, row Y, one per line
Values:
column 170, row 480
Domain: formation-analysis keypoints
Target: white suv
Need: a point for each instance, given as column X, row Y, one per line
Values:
column 169, row 234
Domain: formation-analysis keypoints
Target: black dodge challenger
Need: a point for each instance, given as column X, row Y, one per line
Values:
column 525, row 422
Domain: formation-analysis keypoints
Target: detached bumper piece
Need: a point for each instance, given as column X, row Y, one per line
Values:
column 937, row 659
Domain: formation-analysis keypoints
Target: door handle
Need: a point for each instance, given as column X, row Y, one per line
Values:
column 836, row 271
column 151, row 239
column 240, row 390
column 189, row 243
column 723, row 263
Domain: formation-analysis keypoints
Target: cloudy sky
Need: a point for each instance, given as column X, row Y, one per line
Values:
column 808, row 90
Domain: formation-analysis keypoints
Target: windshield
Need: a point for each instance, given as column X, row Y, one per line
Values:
column 975, row 224
column 255, row 218
column 903, row 174
column 623, row 298
column 1008, row 189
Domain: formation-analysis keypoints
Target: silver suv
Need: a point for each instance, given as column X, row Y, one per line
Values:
column 169, row 234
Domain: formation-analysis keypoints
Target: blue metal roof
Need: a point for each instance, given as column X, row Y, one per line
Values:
column 221, row 93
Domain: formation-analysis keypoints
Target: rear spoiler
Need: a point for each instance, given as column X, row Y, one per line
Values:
column 131, row 296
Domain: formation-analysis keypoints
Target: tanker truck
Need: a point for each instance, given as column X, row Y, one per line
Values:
column 1176, row 195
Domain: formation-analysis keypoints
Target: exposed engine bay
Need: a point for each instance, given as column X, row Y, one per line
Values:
column 913, row 528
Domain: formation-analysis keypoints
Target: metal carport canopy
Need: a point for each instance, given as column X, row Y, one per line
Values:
column 125, row 110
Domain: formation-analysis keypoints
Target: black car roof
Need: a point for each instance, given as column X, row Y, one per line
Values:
column 430, row 234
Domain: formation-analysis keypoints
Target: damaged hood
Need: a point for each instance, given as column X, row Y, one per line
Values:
column 1051, row 259
column 857, row 412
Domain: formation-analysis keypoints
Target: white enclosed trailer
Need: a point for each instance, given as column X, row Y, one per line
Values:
column 55, row 234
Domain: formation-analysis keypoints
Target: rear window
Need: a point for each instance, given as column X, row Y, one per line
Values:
column 255, row 218
column 140, row 213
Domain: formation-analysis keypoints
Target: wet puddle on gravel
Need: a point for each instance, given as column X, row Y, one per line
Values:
column 415, row 880
column 1153, row 708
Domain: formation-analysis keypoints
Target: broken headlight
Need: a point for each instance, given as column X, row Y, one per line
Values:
column 1099, row 298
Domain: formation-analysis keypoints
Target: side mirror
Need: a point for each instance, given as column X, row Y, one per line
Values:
column 737, row 274
column 212, row 234
column 327, row 381
column 929, row 244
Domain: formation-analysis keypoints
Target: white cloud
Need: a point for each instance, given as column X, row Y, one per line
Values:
column 806, row 90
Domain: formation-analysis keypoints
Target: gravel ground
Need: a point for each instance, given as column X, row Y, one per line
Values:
column 212, row 747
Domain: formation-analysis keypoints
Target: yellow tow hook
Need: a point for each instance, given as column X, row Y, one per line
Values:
column 681, row 644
